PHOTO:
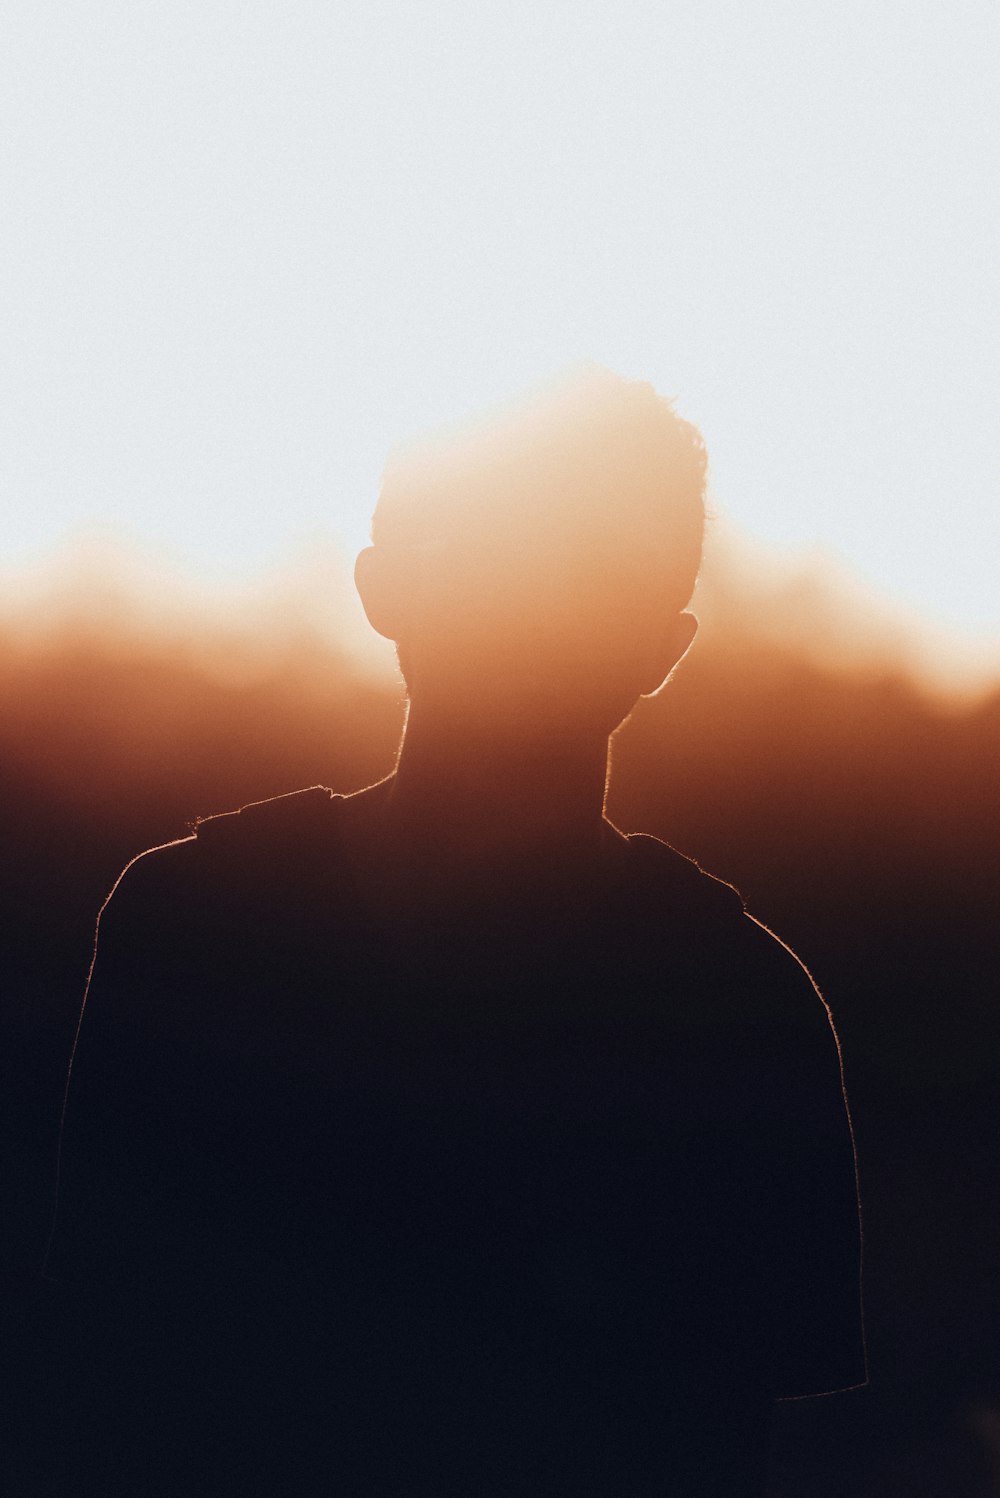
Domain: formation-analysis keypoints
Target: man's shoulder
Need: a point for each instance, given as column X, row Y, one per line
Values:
column 728, row 944
column 226, row 856
column 290, row 815
column 670, row 872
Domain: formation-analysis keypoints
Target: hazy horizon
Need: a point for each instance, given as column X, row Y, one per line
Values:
column 807, row 602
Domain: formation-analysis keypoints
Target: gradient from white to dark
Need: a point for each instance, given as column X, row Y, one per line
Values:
column 247, row 246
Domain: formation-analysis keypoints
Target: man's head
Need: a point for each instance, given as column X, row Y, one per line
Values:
column 536, row 562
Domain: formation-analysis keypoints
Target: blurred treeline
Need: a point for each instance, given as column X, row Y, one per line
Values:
column 854, row 807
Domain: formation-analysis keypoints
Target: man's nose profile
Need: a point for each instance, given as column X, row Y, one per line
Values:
column 441, row 1137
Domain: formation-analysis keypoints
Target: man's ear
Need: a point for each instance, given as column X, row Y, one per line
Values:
column 381, row 584
column 674, row 645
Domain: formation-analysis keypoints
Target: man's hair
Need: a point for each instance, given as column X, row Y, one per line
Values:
column 589, row 468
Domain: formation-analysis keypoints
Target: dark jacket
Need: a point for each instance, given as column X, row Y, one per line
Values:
column 547, row 1193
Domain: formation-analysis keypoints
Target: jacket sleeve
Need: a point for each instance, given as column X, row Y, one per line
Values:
column 112, row 1153
column 108, row 1249
column 812, row 1225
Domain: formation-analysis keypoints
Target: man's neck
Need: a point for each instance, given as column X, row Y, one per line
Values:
column 483, row 795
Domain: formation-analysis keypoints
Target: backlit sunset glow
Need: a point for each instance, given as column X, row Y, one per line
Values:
column 801, row 605
column 116, row 672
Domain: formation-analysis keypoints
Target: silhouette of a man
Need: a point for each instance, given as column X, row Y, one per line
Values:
column 440, row 1139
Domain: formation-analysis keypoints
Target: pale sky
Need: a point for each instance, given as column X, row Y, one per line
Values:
column 246, row 246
